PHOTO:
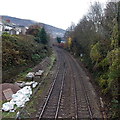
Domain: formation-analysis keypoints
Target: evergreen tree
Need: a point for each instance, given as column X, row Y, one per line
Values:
column 43, row 36
column 58, row 39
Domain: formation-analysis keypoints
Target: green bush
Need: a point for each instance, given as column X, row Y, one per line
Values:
column 36, row 57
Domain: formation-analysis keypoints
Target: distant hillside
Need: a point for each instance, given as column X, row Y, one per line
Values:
column 54, row 31
column 19, row 21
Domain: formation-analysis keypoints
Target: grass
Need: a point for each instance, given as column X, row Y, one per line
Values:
column 10, row 114
column 21, row 76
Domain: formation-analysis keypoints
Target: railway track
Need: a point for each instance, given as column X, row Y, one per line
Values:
column 82, row 103
column 51, row 105
column 68, row 95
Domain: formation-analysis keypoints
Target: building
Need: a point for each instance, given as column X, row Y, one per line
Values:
column 12, row 28
column 12, row 32
column 23, row 30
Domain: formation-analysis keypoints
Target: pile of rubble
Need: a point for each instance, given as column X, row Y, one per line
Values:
column 20, row 97
column 31, row 75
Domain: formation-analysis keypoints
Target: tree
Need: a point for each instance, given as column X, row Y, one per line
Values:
column 59, row 39
column 95, row 53
column 43, row 36
column 97, row 36
column 33, row 30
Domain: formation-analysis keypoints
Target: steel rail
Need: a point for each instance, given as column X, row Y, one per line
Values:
column 84, row 90
column 75, row 99
column 60, row 96
column 49, row 95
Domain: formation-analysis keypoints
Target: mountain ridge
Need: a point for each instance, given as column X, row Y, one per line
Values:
column 54, row 31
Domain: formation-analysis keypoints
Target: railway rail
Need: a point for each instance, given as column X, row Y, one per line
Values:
column 68, row 96
column 83, row 107
column 51, row 105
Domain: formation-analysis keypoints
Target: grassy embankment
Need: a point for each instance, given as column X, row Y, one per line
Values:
column 30, row 107
column 20, row 54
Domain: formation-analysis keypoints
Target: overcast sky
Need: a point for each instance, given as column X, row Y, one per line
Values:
column 59, row 13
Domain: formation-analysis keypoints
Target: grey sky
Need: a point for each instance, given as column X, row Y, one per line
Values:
column 59, row 13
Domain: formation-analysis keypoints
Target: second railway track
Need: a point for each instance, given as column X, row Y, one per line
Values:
column 82, row 103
